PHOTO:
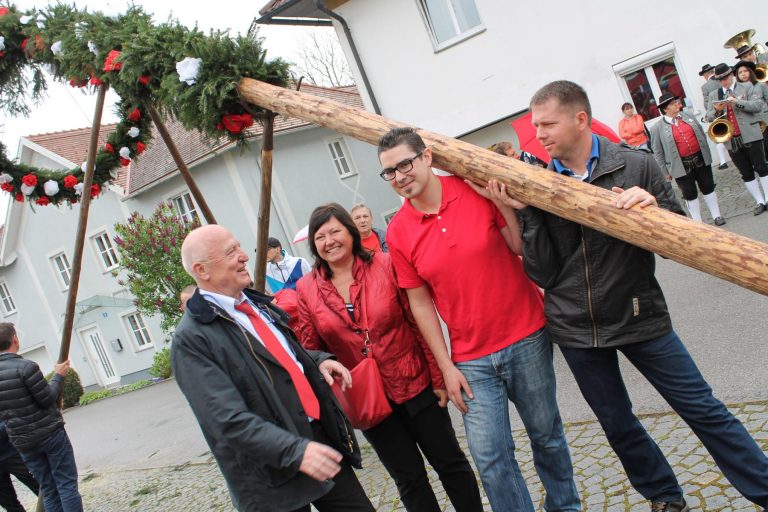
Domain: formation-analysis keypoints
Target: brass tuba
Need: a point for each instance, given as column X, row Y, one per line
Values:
column 720, row 130
column 761, row 73
column 744, row 39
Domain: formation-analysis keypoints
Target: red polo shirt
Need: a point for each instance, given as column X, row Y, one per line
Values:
column 477, row 282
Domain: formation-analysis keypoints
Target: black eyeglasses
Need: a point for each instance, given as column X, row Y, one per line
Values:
column 403, row 167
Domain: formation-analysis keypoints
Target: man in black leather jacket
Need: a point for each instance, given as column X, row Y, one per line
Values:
column 276, row 453
column 28, row 406
column 602, row 298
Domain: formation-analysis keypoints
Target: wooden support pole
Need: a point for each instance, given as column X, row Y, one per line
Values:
column 265, row 201
column 77, row 257
column 714, row 250
column 191, row 185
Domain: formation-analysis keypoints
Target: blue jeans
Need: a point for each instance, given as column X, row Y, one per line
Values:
column 668, row 366
column 53, row 466
column 522, row 373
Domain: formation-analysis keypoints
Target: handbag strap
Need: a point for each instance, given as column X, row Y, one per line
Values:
column 363, row 321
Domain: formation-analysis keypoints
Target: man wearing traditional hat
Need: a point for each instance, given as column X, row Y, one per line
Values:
column 747, row 53
column 740, row 104
column 744, row 71
column 681, row 150
column 709, row 85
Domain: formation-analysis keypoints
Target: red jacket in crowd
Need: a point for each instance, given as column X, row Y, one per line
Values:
column 407, row 366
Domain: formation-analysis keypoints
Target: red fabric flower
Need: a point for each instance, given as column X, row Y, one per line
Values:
column 19, row 197
column 108, row 148
column 72, row 200
column 109, row 62
column 144, row 80
column 29, row 180
column 134, row 116
column 125, row 162
column 3, row 11
column 78, row 82
column 24, row 45
column 69, row 181
column 140, row 147
column 42, row 201
column 7, row 187
column 2, row 54
column 95, row 190
column 236, row 123
column 96, row 80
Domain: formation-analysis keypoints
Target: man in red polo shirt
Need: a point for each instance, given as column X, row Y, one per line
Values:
column 457, row 253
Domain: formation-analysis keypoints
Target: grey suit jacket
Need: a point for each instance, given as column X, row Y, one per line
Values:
column 748, row 110
column 665, row 150
column 706, row 88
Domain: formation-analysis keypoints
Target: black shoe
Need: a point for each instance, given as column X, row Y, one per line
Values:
column 760, row 208
column 670, row 506
column 719, row 221
column 723, row 166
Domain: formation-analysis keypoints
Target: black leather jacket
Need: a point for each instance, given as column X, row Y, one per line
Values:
column 247, row 407
column 599, row 290
column 27, row 402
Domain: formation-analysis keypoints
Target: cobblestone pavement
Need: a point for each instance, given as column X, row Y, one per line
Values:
column 599, row 476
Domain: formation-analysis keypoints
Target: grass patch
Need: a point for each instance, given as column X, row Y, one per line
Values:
column 147, row 489
column 95, row 396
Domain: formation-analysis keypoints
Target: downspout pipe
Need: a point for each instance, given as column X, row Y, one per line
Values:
column 320, row 4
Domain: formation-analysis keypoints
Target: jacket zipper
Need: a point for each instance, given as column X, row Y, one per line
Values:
column 589, row 287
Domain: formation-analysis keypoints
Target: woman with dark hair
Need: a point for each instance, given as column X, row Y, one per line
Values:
column 350, row 306
column 632, row 127
column 745, row 72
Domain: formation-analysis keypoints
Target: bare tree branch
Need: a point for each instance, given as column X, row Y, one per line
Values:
column 321, row 60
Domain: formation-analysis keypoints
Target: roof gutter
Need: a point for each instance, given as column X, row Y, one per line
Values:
column 320, row 4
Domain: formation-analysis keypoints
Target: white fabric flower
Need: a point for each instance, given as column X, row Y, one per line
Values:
column 125, row 153
column 80, row 28
column 5, row 178
column 26, row 189
column 2, row 43
column 57, row 48
column 93, row 48
column 189, row 69
column 84, row 167
column 25, row 19
column 79, row 188
column 51, row 187
column 133, row 132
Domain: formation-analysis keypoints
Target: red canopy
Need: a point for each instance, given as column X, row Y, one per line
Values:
column 526, row 135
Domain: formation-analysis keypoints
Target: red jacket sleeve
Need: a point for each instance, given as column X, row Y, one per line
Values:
column 305, row 329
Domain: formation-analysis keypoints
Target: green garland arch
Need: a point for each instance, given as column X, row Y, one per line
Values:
column 145, row 65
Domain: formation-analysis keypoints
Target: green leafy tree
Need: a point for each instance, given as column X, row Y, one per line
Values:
column 150, row 249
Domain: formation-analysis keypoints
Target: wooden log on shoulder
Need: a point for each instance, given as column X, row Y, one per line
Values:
column 714, row 250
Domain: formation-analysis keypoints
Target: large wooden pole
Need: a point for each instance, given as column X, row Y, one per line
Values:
column 716, row 251
column 77, row 258
column 265, row 200
column 182, row 166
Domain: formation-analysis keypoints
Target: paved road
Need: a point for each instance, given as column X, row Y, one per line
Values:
column 144, row 451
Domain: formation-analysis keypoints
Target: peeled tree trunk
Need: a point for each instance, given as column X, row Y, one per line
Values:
column 732, row 257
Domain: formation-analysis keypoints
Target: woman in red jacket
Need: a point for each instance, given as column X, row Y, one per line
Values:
column 351, row 291
column 632, row 127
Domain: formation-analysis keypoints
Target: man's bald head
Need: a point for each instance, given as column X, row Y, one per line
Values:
column 213, row 257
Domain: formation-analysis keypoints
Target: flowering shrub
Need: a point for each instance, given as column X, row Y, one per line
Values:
column 150, row 250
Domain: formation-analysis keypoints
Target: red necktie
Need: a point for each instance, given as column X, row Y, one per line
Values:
column 270, row 341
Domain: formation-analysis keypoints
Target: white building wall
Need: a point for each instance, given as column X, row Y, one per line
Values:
column 527, row 44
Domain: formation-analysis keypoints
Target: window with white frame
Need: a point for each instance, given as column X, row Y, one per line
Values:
column 185, row 207
column 62, row 269
column 138, row 330
column 339, row 155
column 649, row 75
column 450, row 21
column 106, row 250
column 6, row 300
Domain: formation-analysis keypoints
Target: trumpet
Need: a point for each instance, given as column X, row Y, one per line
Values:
column 720, row 130
column 761, row 73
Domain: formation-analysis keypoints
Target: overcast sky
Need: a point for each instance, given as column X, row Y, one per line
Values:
column 67, row 108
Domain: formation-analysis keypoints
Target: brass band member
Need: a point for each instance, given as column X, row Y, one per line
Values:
column 681, row 150
column 740, row 104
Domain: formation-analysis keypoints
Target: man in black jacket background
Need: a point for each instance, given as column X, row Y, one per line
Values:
column 28, row 406
column 602, row 298
column 278, row 435
column 11, row 464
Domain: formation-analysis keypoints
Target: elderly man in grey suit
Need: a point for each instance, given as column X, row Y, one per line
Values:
column 740, row 104
column 711, row 84
column 681, row 150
